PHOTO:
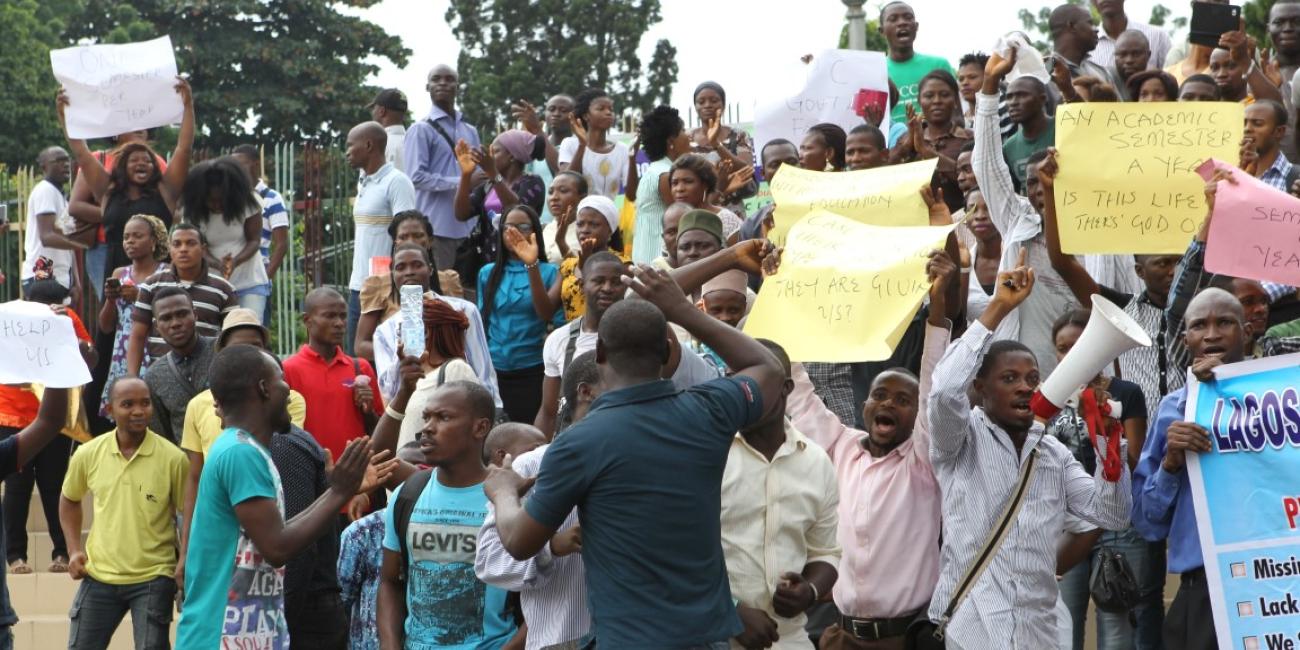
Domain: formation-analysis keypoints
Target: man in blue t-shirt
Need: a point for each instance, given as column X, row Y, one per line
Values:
column 239, row 541
column 437, row 601
column 644, row 469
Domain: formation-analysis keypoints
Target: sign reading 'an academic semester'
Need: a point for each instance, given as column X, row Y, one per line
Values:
column 1128, row 181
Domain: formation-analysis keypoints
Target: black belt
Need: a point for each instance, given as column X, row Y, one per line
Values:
column 874, row 629
column 1194, row 576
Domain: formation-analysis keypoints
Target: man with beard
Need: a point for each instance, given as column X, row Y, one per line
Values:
column 886, row 485
column 183, row 372
column 239, row 540
column 1217, row 333
column 1132, row 51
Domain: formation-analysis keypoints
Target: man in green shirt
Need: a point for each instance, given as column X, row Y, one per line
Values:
column 1026, row 98
column 906, row 67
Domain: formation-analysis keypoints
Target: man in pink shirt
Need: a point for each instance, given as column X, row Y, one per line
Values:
column 889, row 499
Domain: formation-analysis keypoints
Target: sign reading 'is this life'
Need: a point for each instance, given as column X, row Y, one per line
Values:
column 1128, row 181
column 114, row 89
column 1247, row 501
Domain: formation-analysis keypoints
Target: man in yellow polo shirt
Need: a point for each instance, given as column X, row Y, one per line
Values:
column 138, row 479
column 203, row 421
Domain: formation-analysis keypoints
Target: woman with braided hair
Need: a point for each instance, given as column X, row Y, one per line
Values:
column 443, row 360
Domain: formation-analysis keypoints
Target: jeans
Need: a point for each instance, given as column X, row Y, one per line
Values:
column 354, row 316
column 98, row 609
column 252, row 299
column 316, row 622
column 1114, row 630
column 45, row 471
column 96, row 258
column 1151, row 613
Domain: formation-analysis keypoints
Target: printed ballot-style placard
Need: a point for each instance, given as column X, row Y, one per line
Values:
column 1255, row 230
column 1128, row 181
column 113, row 89
column 845, row 291
column 835, row 87
column 39, row 346
column 1246, row 500
column 884, row 196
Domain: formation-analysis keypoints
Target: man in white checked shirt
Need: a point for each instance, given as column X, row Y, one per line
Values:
column 977, row 455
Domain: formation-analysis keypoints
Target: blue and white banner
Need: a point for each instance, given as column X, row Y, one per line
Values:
column 1247, row 498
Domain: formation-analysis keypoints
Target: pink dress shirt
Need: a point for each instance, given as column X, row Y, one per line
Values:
column 889, row 507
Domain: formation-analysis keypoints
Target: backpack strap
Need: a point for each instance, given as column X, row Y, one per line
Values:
column 403, row 506
column 575, row 330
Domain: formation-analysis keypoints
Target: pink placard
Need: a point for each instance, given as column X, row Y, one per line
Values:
column 1255, row 229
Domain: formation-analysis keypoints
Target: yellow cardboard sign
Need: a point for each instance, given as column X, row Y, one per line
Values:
column 884, row 196
column 1128, row 181
column 846, row 291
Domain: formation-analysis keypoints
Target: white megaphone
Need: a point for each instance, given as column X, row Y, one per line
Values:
column 1102, row 341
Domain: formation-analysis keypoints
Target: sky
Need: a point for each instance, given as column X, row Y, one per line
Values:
column 737, row 43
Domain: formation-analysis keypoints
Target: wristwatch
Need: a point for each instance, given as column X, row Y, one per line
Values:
column 498, row 179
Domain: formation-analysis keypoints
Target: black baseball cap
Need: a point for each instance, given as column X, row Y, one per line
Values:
column 390, row 98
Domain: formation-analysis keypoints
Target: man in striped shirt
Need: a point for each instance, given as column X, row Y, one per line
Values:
column 275, row 219
column 977, row 455
column 211, row 294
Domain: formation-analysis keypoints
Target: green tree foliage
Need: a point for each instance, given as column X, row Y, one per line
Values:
column 1160, row 18
column 529, row 49
column 261, row 69
column 28, row 30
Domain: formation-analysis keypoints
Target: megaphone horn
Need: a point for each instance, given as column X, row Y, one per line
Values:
column 1102, row 341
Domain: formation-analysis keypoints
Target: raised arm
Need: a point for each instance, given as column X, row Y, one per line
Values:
column 948, row 410
column 991, row 172
column 528, row 249
column 1067, row 266
column 179, row 167
column 89, row 170
column 1190, row 277
column 580, row 134
column 811, row 416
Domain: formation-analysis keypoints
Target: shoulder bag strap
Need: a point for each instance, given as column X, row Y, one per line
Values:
column 443, row 132
column 991, row 545
column 180, row 376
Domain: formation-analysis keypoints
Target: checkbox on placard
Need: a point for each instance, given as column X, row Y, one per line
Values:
column 1250, row 643
column 1238, row 569
column 1245, row 608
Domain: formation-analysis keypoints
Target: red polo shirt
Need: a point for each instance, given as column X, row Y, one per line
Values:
column 332, row 416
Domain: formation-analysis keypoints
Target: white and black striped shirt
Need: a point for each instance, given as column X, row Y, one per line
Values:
column 1011, row 605
column 552, row 590
column 213, row 296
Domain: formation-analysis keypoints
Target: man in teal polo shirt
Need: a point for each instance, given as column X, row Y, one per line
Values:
column 650, row 538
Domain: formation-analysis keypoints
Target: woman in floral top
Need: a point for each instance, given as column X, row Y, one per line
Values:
column 144, row 238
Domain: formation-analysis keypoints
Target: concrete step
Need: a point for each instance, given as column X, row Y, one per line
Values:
column 51, row 633
column 36, row 516
column 40, row 546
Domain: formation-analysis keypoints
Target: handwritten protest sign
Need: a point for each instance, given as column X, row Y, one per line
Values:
column 884, row 196
column 1255, row 231
column 113, row 89
column 39, row 346
column 1246, row 502
column 846, row 290
column 1128, row 181
column 833, row 88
